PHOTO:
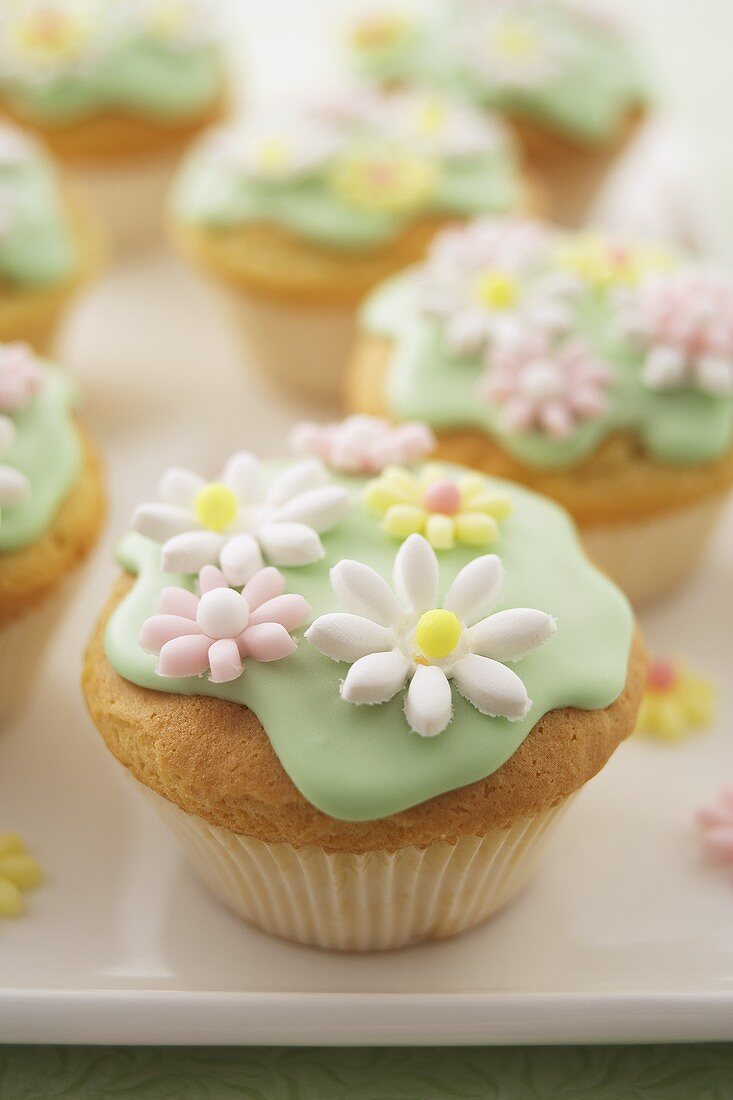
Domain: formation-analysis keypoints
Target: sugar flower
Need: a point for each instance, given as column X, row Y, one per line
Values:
column 379, row 30
column 392, row 638
column 221, row 628
column 363, row 444
column 514, row 48
column 44, row 39
column 14, row 485
column 489, row 282
column 276, row 149
column 444, row 509
column 21, row 378
column 382, row 178
column 19, row 872
column 435, row 126
column 676, row 701
column 716, row 829
column 179, row 23
column 605, row 263
column 15, row 147
column 235, row 521
column 545, row 386
column 683, row 324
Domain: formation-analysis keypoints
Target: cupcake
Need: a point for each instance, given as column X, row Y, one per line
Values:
column 48, row 244
column 51, row 509
column 597, row 371
column 360, row 739
column 296, row 215
column 118, row 91
column 563, row 73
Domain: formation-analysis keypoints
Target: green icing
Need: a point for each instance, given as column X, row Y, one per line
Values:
column 360, row 763
column 48, row 452
column 39, row 247
column 425, row 382
column 599, row 80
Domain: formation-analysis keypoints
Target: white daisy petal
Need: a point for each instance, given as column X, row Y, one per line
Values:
column 511, row 634
column 320, row 508
column 162, row 521
column 375, row 678
column 242, row 473
column 290, row 543
column 664, row 368
column 492, row 687
column 240, row 559
column 299, row 478
column 429, row 703
column 344, row 637
column 179, row 487
column 14, row 486
column 361, row 590
column 416, row 574
column 190, row 552
column 475, row 589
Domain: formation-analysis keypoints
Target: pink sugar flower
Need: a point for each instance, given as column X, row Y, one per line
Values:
column 684, row 323
column 363, row 444
column 219, row 629
column 547, row 387
column 21, row 378
column 716, row 829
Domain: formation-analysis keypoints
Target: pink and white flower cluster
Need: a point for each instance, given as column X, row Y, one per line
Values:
column 21, row 378
column 363, row 444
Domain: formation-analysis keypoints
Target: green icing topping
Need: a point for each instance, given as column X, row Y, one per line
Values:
column 37, row 246
column 363, row 762
column 586, row 91
column 47, row 450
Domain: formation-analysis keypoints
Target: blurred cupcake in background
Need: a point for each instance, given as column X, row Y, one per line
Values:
column 563, row 73
column 51, row 510
column 597, row 371
column 117, row 90
column 296, row 215
column 49, row 244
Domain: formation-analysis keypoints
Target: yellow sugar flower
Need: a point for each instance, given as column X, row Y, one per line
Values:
column 48, row 35
column 445, row 510
column 607, row 263
column 18, row 872
column 384, row 180
column 676, row 701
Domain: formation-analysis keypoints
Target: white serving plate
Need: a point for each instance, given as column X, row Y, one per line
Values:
column 625, row 935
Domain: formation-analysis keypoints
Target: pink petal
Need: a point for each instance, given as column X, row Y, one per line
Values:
column 718, row 842
column 184, row 656
column 211, row 577
column 557, row 421
column 265, row 585
column 225, row 661
column 178, row 601
column 290, row 610
column 157, row 631
column 267, row 642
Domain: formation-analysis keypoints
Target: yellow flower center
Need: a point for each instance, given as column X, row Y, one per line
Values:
column 516, row 39
column 496, row 290
column 50, row 33
column 432, row 117
column 216, row 506
column 378, row 31
column 438, row 633
column 274, row 156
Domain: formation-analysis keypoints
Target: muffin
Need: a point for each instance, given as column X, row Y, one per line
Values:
column 118, row 91
column 51, row 509
column 296, row 215
column 563, row 73
column 49, row 246
column 597, row 371
column 324, row 711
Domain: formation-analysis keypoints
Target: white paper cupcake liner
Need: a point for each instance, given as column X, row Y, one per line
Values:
column 651, row 557
column 23, row 646
column 372, row 901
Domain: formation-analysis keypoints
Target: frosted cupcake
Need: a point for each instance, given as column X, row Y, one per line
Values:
column 117, row 90
column 360, row 740
column 48, row 245
column 596, row 371
column 296, row 216
column 563, row 73
column 51, row 508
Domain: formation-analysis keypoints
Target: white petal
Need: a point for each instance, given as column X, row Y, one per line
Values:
column 416, row 574
column 190, row 552
column 163, row 521
column 240, row 559
column 242, row 474
column 348, row 637
column 476, row 588
column 429, row 703
column 664, row 368
column 715, row 374
column 179, row 487
column 290, row 543
column 375, row 678
column 320, row 508
column 308, row 474
column 361, row 590
column 14, row 486
column 492, row 687
column 510, row 635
